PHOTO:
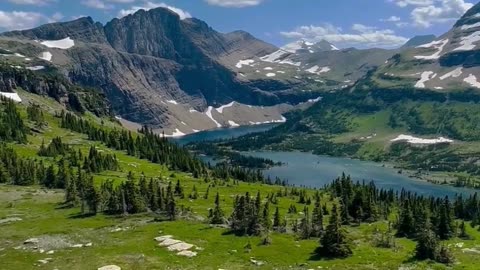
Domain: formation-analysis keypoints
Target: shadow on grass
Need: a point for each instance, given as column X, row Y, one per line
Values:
column 82, row 215
column 62, row 205
column 316, row 255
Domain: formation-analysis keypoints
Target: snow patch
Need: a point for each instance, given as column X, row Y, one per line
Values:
column 472, row 80
column 468, row 26
column 425, row 77
column 282, row 72
column 35, row 68
column 314, row 100
column 172, row 102
column 273, row 57
column 47, row 56
column 220, row 109
column 232, row 123
column 242, row 63
column 13, row 96
column 270, row 74
column 63, row 44
column 276, row 57
column 176, row 133
column 318, row 70
column 454, row 73
column 209, row 114
column 467, row 42
column 268, row 68
column 416, row 140
column 438, row 45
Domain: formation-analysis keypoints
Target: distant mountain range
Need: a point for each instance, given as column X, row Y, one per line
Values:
column 182, row 76
column 447, row 63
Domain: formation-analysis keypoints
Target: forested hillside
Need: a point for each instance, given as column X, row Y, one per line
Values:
column 113, row 190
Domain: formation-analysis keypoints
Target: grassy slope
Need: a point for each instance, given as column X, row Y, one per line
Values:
column 135, row 248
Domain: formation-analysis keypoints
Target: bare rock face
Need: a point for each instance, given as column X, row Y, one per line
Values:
column 145, row 59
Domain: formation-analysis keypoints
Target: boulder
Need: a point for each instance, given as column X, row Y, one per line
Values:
column 163, row 238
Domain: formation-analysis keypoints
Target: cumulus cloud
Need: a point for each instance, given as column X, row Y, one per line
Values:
column 98, row 4
column 150, row 5
column 425, row 13
column 20, row 20
column 234, row 3
column 360, row 35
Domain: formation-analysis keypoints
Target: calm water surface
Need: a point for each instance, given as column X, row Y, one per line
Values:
column 305, row 169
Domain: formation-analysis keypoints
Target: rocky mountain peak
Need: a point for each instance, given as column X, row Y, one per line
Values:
column 83, row 29
column 304, row 46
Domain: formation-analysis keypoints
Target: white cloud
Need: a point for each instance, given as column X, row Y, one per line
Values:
column 444, row 11
column 391, row 19
column 150, row 5
column 360, row 36
column 234, row 3
column 404, row 3
column 20, row 20
column 425, row 13
column 31, row 2
column 98, row 4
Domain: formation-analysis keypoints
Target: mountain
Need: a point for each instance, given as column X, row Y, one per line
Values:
column 155, row 69
column 311, row 66
column 450, row 62
column 419, row 40
column 302, row 46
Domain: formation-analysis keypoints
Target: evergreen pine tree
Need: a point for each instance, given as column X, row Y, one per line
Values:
column 317, row 220
column 217, row 212
column 335, row 242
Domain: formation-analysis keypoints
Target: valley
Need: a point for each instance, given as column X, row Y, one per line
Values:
column 154, row 141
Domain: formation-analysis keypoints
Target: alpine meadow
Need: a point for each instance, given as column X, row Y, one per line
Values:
column 320, row 136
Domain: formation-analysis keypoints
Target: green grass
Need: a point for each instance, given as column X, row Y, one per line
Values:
column 134, row 248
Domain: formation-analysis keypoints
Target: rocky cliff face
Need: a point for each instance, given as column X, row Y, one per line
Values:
column 153, row 67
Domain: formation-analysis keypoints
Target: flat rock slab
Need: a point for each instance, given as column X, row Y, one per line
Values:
column 471, row 251
column 180, row 246
column 187, row 253
column 163, row 238
column 169, row 242
column 110, row 267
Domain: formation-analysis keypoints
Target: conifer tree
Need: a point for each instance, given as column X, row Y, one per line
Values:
column 277, row 220
column 406, row 221
column 171, row 206
column 335, row 242
column 463, row 231
column 305, row 229
column 217, row 212
column 266, row 221
column 317, row 220
column 445, row 221
column 427, row 245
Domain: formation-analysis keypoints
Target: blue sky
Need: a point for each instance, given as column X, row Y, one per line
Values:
column 346, row 23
